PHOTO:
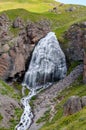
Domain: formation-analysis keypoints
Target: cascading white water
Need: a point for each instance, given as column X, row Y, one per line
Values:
column 47, row 65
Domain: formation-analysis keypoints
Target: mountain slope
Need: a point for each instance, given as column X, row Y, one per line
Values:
column 59, row 21
column 76, row 121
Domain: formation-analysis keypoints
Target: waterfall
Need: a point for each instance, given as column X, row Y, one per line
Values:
column 47, row 66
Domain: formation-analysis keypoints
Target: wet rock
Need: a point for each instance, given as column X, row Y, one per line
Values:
column 48, row 63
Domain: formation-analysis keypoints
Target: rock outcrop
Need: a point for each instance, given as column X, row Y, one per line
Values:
column 76, row 37
column 74, row 104
column 15, row 49
column 45, row 100
column 76, row 45
column 8, row 106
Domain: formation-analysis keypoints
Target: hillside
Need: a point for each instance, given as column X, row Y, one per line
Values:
column 76, row 121
column 63, row 20
column 36, row 10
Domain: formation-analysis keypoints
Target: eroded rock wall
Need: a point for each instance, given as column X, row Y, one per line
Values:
column 16, row 48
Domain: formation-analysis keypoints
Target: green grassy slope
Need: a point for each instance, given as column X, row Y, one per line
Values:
column 76, row 121
column 13, row 94
column 36, row 10
column 39, row 9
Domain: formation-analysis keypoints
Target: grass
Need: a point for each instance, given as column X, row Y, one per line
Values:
column 1, row 117
column 15, row 120
column 36, row 10
column 5, row 89
column 72, row 122
column 12, row 92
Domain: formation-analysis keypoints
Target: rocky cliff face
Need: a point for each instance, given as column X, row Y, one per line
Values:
column 76, row 37
column 76, row 45
column 15, row 49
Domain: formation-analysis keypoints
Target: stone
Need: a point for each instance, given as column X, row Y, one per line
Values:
column 5, row 67
column 72, row 105
column 4, row 22
column 62, row 4
column 18, row 23
column 36, row 31
column 71, row 9
column 6, row 47
column 76, row 42
column 19, row 63
column 83, row 101
column 55, row 9
column 16, row 50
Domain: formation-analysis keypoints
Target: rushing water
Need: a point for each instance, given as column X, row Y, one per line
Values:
column 47, row 65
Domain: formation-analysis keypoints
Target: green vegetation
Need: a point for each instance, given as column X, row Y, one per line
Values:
column 12, row 92
column 36, row 10
column 72, row 122
column 15, row 120
column 1, row 117
column 72, row 65
column 5, row 89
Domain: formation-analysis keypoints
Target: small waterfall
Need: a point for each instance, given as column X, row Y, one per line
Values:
column 47, row 66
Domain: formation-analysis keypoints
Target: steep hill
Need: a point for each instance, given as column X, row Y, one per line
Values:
column 60, row 16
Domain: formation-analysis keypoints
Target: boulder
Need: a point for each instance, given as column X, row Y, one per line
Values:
column 6, row 48
column 36, row 31
column 6, row 66
column 18, row 23
column 72, row 105
column 83, row 101
column 76, row 42
column 4, row 22
column 71, row 9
